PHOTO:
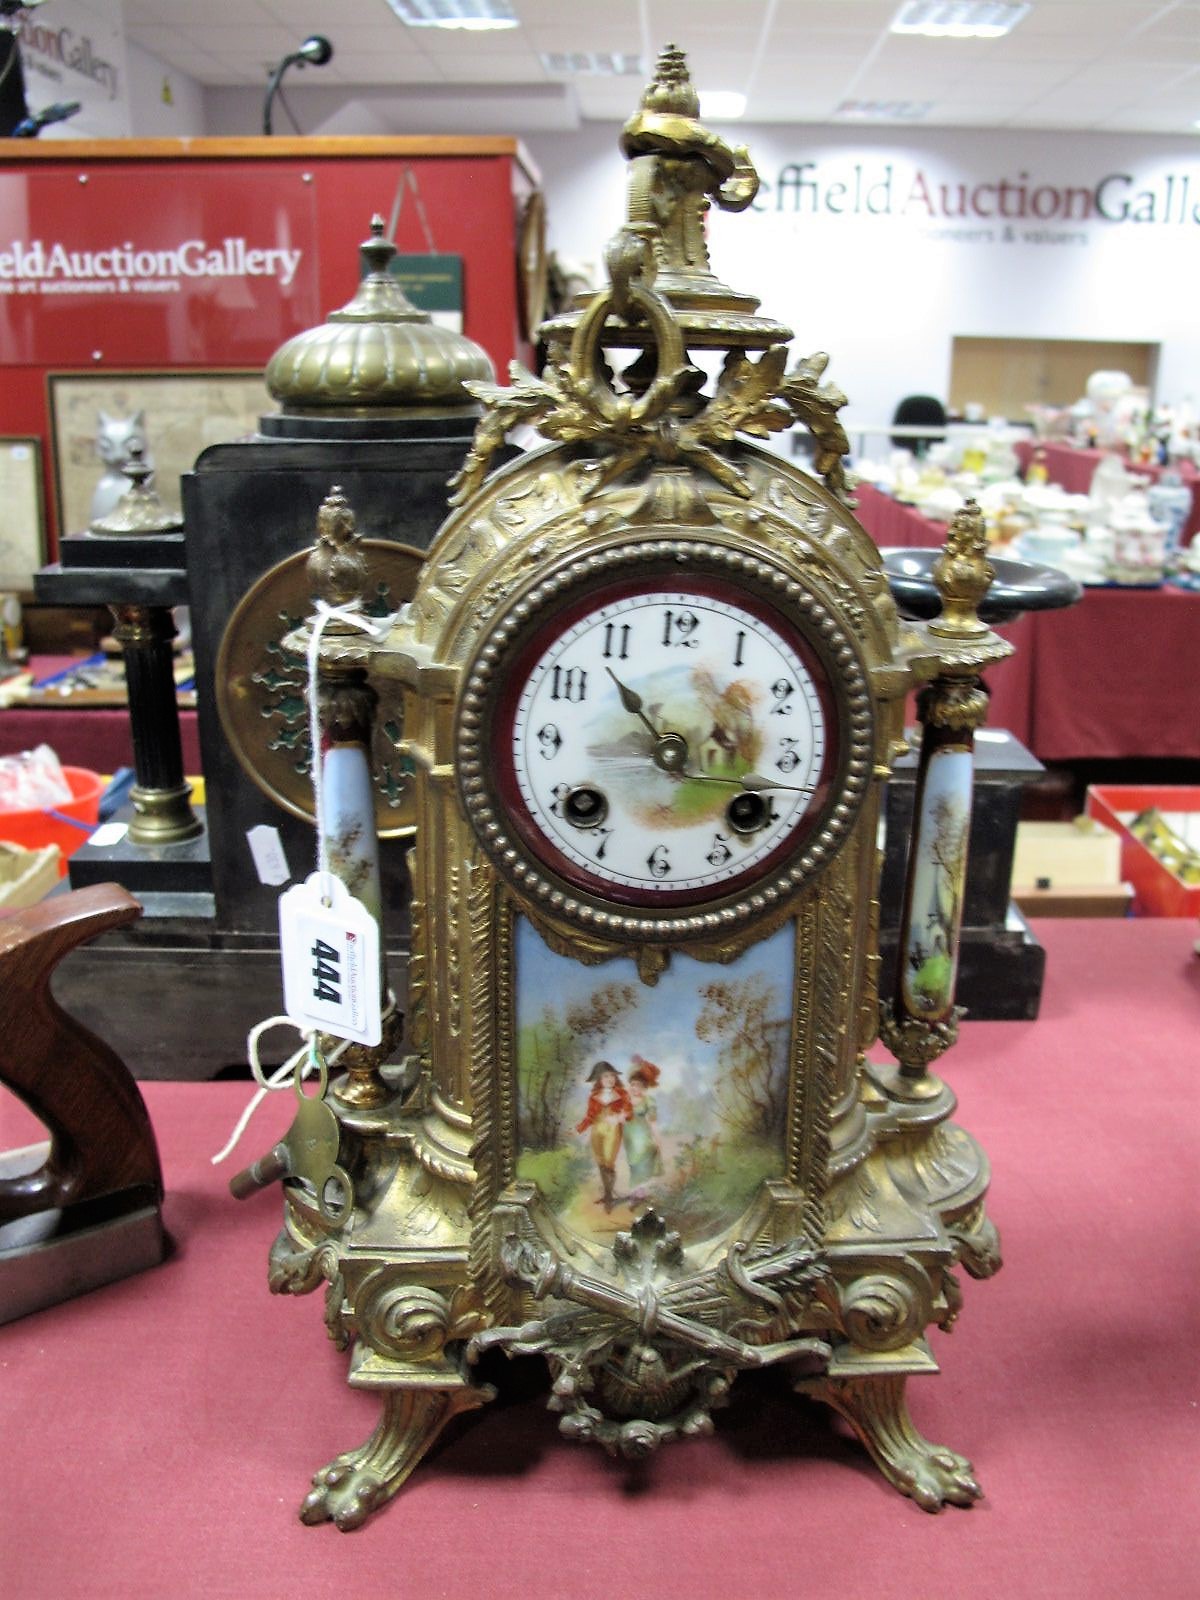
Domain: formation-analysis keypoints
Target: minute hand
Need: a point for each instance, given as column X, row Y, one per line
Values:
column 751, row 781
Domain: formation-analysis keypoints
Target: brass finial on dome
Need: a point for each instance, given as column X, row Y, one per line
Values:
column 379, row 297
column 140, row 510
column 378, row 353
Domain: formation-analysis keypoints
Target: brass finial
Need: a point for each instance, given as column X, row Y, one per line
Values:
column 963, row 575
column 671, row 90
column 336, row 570
column 140, row 510
column 678, row 168
column 379, row 297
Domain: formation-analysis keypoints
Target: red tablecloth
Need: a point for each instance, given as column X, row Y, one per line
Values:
column 1071, row 467
column 160, row 1433
column 892, row 524
column 94, row 737
column 1112, row 677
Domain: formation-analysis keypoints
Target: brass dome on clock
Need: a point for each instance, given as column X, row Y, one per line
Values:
column 378, row 354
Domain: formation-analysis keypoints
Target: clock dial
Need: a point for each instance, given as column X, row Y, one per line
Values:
column 663, row 745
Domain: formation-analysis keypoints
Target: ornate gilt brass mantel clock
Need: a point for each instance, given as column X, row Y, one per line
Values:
column 652, row 682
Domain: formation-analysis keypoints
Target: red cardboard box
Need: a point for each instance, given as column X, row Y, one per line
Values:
column 1158, row 892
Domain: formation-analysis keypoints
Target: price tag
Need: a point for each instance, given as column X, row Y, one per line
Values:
column 269, row 860
column 330, row 955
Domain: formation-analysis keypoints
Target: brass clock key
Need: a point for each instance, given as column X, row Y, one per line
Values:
column 309, row 1151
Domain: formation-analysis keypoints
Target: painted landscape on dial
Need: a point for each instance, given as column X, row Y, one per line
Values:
column 673, row 1096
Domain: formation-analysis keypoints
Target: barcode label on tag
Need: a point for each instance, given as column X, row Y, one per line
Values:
column 330, row 956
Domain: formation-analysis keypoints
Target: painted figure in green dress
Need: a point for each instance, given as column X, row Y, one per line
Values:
column 642, row 1150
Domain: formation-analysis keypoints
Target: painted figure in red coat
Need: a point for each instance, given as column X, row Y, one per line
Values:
column 608, row 1109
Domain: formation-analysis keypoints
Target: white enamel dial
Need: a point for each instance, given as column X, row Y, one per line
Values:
column 666, row 742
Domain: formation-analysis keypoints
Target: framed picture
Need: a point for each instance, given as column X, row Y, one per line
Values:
column 95, row 416
column 22, row 512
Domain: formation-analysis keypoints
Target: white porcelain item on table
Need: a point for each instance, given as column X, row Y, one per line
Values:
column 1047, row 543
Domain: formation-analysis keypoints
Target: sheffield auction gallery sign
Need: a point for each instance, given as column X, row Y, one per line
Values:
column 1006, row 207
column 129, row 264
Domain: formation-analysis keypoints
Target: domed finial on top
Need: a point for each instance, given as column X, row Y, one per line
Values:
column 672, row 90
column 377, row 352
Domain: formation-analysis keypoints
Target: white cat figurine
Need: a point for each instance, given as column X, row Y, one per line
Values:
column 114, row 436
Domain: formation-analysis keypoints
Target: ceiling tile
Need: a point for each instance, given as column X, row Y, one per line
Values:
column 470, row 68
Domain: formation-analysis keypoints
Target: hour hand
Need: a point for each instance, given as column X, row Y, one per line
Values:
column 632, row 701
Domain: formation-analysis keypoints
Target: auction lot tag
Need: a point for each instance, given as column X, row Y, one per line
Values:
column 330, row 955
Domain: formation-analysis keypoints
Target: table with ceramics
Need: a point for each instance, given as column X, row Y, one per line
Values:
column 1073, row 466
column 1108, row 679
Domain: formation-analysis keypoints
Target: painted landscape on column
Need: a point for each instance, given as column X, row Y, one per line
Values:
column 672, row 1096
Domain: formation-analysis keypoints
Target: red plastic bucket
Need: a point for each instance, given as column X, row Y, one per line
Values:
column 67, row 825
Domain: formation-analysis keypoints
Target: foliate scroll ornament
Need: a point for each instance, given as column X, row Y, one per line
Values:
column 576, row 402
column 914, row 1041
column 297, row 1269
column 978, row 1242
column 411, row 1322
column 816, row 405
column 882, row 1312
column 946, row 703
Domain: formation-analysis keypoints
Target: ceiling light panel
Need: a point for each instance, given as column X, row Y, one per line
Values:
column 592, row 63
column 959, row 19
column 722, row 105
column 475, row 16
column 883, row 110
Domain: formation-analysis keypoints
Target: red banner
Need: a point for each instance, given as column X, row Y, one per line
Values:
column 155, row 266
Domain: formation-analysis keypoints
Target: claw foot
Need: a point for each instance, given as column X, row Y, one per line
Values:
column 876, row 1408
column 357, row 1483
column 343, row 1494
column 937, row 1479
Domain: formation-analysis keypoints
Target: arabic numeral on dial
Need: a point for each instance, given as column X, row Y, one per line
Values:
column 658, row 861
column 783, row 690
column 568, row 683
column 679, row 628
column 737, row 653
column 559, row 792
column 603, row 834
column 550, row 740
column 720, row 852
column 616, row 640
column 789, row 760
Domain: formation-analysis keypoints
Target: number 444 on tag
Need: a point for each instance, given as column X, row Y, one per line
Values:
column 330, row 953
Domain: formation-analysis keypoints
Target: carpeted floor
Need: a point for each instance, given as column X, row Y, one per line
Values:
column 158, row 1435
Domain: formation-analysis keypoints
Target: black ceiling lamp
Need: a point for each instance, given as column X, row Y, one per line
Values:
column 315, row 51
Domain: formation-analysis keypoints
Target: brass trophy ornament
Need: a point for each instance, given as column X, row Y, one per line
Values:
column 652, row 683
